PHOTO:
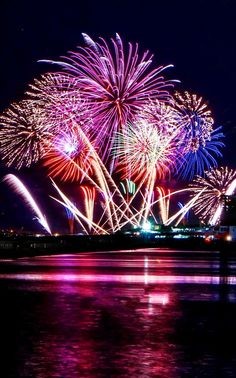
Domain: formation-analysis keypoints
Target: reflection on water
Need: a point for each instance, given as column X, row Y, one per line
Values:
column 148, row 313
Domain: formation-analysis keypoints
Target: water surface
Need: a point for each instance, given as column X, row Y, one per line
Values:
column 138, row 313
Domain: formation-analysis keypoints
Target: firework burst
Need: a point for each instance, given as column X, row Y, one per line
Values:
column 215, row 184
column 109, row 116
column 161, row 114
column 145, row 154
column 196, row 120
column 143, row 151
column 69, row 156
column 61, row 104
column 114, row 83
column 200, row 142
column 204, row 158
column 24, row 137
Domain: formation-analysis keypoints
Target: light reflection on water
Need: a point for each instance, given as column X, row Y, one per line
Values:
column 126, row 315
column 135, row 279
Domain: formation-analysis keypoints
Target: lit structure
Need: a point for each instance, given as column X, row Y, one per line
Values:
column 228, row 217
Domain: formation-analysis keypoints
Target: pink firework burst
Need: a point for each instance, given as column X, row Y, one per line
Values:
column 114, row 83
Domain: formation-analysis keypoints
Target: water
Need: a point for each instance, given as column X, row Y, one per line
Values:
column 144, row 313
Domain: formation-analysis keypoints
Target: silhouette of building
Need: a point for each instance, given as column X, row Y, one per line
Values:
column 228, row 217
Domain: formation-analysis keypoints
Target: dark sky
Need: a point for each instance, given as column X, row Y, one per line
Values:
column 198, row 37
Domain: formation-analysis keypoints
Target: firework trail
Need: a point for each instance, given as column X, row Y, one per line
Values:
column 21, row 189
column 76, row 212
column 89, row 198
column 164, row 203
column 71, row 220
column 128, row 189
column 184, row 210
column 186, row 216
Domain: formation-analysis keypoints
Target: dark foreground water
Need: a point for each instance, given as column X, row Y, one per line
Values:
column 144, row 313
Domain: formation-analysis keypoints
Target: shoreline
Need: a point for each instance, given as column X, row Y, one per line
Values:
column 29, row 246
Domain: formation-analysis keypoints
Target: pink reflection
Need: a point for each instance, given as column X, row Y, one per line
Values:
column 122, row 278
column 158, row 298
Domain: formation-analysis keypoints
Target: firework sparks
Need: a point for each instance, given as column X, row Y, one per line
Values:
column 204, row 158
column 196, row 120
column 89, row 198
column 23, row 136
column 201, row 143
column 143, row 151
column 216, row 184
column 109, row 117
column 69, row 156
column 164, row 203
column 186, row 215
column 71, row 220
column 162, row 114
column 116, row 85
column 62, row 106
column 128, row 187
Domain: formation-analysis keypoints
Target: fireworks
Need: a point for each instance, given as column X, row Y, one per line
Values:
column 196, row 120
column 110, row 117
column 128, row 187
column 115, row 84
column 201, row 143
column 68, row 158
column 89, row 198
column 23, row 135
column 61, row 104
column 216, row 184
column 164, row 203
column 21, row 189
column 161, row 114
column 204, row 158
column 71, row 220
column 143, row 151
column 146, row 154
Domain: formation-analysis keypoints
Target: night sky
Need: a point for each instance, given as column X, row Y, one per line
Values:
column 198, row 37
